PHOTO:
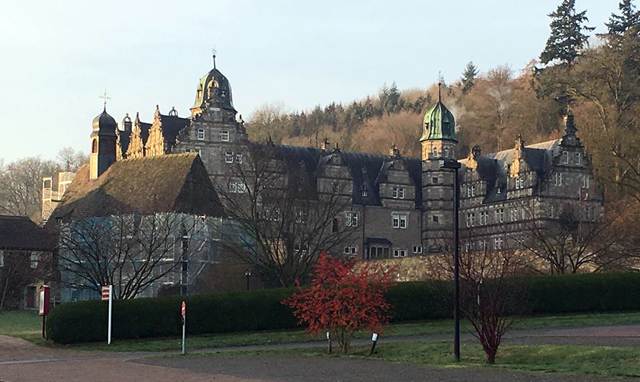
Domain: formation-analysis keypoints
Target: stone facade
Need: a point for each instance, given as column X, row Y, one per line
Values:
column 400, row 206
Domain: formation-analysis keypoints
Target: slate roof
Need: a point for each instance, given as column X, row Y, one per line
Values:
column 20, row 233
column 365, row 169
column 166, row 183
column 493, row 167
column 171, row 126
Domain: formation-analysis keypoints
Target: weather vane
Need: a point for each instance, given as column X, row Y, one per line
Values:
column 105, row 98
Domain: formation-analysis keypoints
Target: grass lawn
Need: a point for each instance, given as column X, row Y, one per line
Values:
column 27, row 325
column 597, row 360
column 24, row 324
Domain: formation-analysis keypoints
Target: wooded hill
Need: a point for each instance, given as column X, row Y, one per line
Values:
column 599, row 84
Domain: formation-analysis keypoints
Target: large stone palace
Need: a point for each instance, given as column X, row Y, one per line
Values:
column 401, row 206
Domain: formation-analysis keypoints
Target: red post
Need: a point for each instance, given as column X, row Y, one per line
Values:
column 43, row 306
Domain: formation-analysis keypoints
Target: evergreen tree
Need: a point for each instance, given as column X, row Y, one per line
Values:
column 468, row 77
column 629, row 19
column 567, row 37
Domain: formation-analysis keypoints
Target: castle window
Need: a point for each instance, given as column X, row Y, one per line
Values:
column 484, row 215
column 34, row 260
column 201, row 134
column 224, row 136
column 585, row 181
column 239, row 158
column 497, row 243
column 519, row 183
column 513, row 214
column 435, row 152
column 558, row 178
column 350, row 250
column 417, row 249
column 351, row 219
column 578, row 158
column 397, row 252
column 397, row 193
column 434, row 180
column 435, row 218
column 446, row 152
column 498, row 215
column 228, row 157
column 237, row 187
column 565, row 157
column 471, row 219
column 365, row 191
column 399, row 220
column 334, row 225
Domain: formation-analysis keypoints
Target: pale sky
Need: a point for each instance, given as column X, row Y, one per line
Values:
column 57, row 57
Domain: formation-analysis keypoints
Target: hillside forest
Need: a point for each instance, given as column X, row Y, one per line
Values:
column 594, row 77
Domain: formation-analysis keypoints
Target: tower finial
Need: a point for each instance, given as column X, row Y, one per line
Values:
column 213, row 53
column 104, row 98
column 439, row 92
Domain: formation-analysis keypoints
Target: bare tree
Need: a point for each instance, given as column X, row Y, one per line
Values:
column 16, row 273
column 20, row 184
column 71, row 160
column 280, row 219
column 129, row 251
column 567, row 242
column 491, row 296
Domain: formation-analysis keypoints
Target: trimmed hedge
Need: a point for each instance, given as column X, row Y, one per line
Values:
column 86, row 321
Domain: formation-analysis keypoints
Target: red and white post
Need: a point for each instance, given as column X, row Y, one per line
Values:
column 107, row 295
column 184, row 326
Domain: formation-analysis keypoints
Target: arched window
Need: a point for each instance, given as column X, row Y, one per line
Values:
column 446, row 152
column 94, row 146
column 435, row 152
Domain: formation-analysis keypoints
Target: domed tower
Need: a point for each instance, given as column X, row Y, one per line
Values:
column 214, row 131
column 439, row 138
column 213, row 93
column 103, row 144
column 439, row 142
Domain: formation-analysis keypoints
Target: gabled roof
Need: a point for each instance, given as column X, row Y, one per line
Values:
column 171, row 126
column 20, row 233
column 165, row 183
column 364, row 169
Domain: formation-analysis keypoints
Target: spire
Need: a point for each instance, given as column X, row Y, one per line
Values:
column 439, row 92
column 213, row 53
column 104, row 98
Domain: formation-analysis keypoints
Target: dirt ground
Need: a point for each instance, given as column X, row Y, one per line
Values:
column 23, row 361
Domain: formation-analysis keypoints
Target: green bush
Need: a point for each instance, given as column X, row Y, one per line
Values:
column 262, row 310
column 86, row 321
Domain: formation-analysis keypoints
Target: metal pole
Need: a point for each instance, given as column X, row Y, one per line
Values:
column 184, row 332
column 110, row 314
column 44, row 319
column 456, row 285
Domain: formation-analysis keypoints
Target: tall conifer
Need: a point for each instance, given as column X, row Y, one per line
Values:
column 567, row 34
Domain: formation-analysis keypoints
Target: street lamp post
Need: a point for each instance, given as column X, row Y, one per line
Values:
column 247, row 273
column 454, row 165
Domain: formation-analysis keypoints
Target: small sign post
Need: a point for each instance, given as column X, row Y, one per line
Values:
column 184, row 326
column 329, row 342
column 374, row 338
column 43, row 305
column 107, row 295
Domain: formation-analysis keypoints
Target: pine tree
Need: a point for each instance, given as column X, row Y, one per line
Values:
column 567, row 37
column 629, row 19
column 469, row 77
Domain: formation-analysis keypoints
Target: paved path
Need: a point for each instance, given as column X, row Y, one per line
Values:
column 23, row 361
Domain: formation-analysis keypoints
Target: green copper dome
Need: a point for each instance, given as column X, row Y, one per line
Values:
column 439, row 124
